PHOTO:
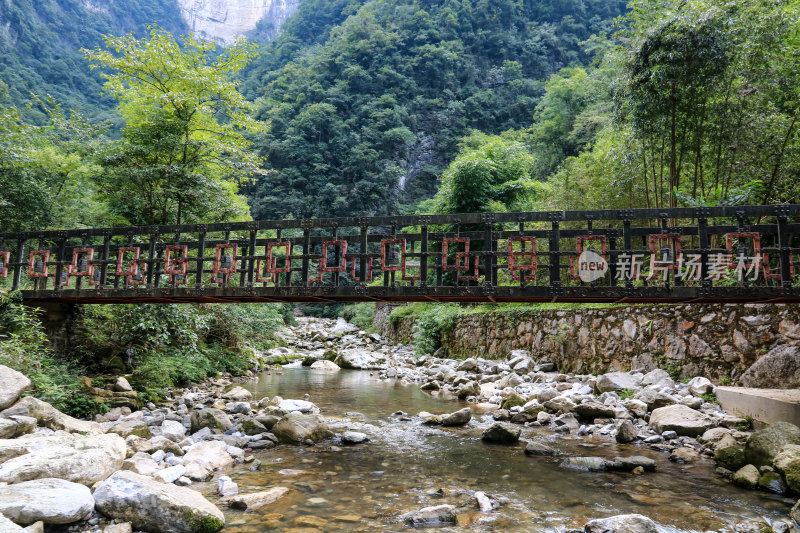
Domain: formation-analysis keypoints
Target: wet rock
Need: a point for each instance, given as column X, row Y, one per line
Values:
column 226, row 487
column 777, row 369
column 84, row 460
column 297, row 428
column 626, row 432
column 538, row 449
column 684, row 455
column 615, row 381
column 430, row 386
column 592, row 409
column 772, row 482
column 764, row 445
column 629, row 523
column 256, row 500
column 483, row 502
column 431, row 516
column 53, row 501
column 512, row 400
column 629, row 464
column 501, row 434
column 50, row 417
column 458, row 418
column 154, row 506
column 354, row 437
column 469, row 389
column 214, row 419
column 586, row 464
column 746, row 477
column 324, row 364
column 251, row 426
column 12, row 385
column 681, row 419
column 731, row 457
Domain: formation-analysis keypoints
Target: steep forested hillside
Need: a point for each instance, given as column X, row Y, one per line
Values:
column 40, row 42
column 365, row 114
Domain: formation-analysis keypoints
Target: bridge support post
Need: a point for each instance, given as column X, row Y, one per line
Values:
column 57, row 319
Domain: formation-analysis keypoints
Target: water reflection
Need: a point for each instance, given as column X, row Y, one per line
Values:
column 408, row 466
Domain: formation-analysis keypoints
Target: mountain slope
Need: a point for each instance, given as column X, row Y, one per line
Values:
column 364, row 122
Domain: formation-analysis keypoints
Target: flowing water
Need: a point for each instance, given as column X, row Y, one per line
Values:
column 367, row 487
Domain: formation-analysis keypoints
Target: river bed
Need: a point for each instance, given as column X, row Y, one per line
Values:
column 407, row 466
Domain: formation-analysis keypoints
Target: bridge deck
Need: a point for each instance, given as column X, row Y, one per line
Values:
column 723, row 254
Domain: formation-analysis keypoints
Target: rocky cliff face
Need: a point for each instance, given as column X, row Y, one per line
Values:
column 224, row 20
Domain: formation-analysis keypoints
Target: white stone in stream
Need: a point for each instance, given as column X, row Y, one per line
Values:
column 342, row 326
column 50, row 417
column 360, row 360
column 683, row 420
column 431, row 516
column 84, row 460
column 7, row 526
column 226, row 487
column 354, row 437
column 238, row 394
column 53, row 501
column 12, row 385
column 204, row 457
column 484, row 503
column 173, row 430
column 171, row 474
column 700, row 385
column 256, row 500
column 629, row 523
column 324, row 364
column 298, row 405
column 151, row 505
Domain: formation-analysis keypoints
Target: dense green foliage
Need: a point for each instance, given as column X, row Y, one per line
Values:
column 40, row 42
column 367, row 120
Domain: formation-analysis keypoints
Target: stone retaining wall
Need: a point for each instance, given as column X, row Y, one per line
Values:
column 717, row 341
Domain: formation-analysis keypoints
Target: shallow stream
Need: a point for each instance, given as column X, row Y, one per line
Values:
column 367, row 487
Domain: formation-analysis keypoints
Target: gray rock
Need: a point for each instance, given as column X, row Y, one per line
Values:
column 538, row 449
column 354, row 437
column 202, row 458
column 431, row 516
column 302, row 406
column 458, row 418
column 501, row 434
column 626, row 432
column 627, row 464
column 472, row 388
column 324, row 364
column 360, row 360
column 587, row 464
column 151, row 505
column 764, row 445
column 171, row 474
column 53, row 501
column 681, row 419
column 297, row 428
column 593, row 409
column 256, row 500
column 12, row 385
column 685, row 455
column 122, row 385
column 616, row 381
column 214, row 419
column 700, row 385
column 50, row 417
column 226, row 487
column 656, row 376
column 777, row 369
column 629, row 523
column 238, row 394
column 7, row 526
column 747, row 477
column 16, row 426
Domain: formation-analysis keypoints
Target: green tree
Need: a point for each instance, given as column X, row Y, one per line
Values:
column 183, row 152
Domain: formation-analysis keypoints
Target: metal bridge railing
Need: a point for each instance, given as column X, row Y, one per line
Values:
column 720, row 254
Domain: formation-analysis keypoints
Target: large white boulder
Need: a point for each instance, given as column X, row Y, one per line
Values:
column 616, row 381
column 154, row 506
column 238, row 394
column 324, row 364
column 681, row 419
column 173, row 430
column 255, row 500
column 360, row 360
column 50, row 417
column 53, row 501
column 298, row 405
column 12, row 385
column 202, row 458
column 84, row 460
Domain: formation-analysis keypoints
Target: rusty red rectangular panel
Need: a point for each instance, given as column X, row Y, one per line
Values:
column 513, row 267
column 45, row 255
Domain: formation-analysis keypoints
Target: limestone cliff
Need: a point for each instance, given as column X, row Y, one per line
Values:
column 224, row 20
